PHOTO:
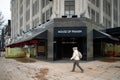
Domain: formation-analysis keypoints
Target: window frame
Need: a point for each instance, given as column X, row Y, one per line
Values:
column 69, row 9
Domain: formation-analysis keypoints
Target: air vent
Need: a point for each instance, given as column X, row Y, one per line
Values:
column 64, row 16
column 74, row 16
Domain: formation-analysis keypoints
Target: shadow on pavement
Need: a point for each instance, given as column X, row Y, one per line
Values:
column 111, row 59
column 24, row 60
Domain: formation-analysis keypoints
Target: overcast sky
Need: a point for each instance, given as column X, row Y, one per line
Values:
column 5, row 9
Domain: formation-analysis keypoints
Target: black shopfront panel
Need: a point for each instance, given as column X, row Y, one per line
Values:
column 67, row 37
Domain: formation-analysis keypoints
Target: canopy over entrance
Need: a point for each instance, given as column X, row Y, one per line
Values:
column 102, row 35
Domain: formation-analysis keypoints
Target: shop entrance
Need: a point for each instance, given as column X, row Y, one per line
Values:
column 99, row 48
column 42, row 49
column 63, row 47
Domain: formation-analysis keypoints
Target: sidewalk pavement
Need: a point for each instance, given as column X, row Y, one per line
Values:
column 11, row 69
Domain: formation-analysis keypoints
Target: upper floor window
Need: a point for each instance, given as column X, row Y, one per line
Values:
column 95, row 2
column 21, row 21
column 93, row 14
column 44, row 3
column 115, row 15
column 97, row 17
column 21, row 1
column 35, row 7
column 27, row 3
column 69, row 7
column 27, row 27
column 43, row 18
column 46, row 15
column 115, row 2
column 107, row 7
column 35, row 22
column 21, row 9
column 27, row 14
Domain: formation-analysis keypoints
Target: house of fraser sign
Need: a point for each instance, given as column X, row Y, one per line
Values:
column 69, row 31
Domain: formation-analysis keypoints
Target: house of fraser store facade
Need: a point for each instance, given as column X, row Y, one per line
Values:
column 54, row 40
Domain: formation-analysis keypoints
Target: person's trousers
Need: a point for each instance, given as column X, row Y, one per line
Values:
column 76, row 62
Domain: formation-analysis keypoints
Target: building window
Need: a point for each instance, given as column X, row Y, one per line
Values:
column 21, row 31
column 21, row 1
column 45, row 2
column 27, row 3
column 115, row 2
column 37, row 3
column 69, row 7
column 98, row 3
column 21, row 21
column 93, row 14
column 107, row 7
column 93, row 1
column 115, row 15
column 104, row 21
column 33, row 10
column 50, row 11
column 35, row 22
column 43, row 18
column 35, row 7
column 47, row 14
column 97, row 17
column 104, row 5
column 115, row 25
column 27, row 15
column 27, row 27
column 21, row 9
column 89, row 11
column 109, row 23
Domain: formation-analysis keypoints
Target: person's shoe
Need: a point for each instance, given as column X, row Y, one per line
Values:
column 82, row 71
column 72, row 71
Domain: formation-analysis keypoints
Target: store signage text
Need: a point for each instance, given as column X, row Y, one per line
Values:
column 69, row 31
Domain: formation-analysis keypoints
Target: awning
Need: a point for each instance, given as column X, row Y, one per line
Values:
column 114, row 31
column 102, row 35
column 39, row 35
column 33, row 34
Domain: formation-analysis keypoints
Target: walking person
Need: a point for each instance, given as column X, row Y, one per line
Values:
column 76, row 56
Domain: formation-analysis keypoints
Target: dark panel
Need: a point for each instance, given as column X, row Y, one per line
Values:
column 43, row 35
column 102, row 35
